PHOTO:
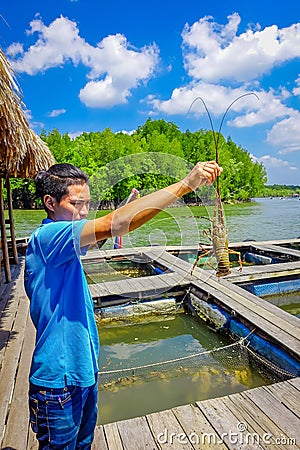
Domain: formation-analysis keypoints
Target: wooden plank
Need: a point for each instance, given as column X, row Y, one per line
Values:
column 255, row 304
column 243, row 302
column 5, row 288
column 7, row 322
column 226, row 423
column 255, row 422
column 295, row 382
column 287, row 395
column 119, row 287
column 99, row 442
column 99, row 289
column 272, row 429
column 261, row 305
column 167, row 431
column 249, row 309
column 18, row 418
column 256, row 273
column 136, row 435
column 11, row 360
column 112, row 436
column 276, row 411
column 4, row 244
column 201, row 433
column 277, row 249
column 138, row 287
column 255, row 316
column 169, row 261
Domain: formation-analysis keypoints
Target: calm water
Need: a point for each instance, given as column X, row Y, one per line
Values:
column 263, row 219
column 289, row 302
column 164, row 339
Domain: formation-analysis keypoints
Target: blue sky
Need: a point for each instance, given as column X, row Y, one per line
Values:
column 84, row 65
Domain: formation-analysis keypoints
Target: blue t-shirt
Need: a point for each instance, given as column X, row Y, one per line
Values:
column 61, row 307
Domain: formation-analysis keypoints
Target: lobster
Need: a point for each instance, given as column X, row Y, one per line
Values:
column 219, row 233
column 219, row 240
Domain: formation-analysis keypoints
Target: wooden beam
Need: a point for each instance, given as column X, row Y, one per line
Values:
column 11, row 221
column 4, row 238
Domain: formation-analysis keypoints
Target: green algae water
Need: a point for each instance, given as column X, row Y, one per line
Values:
column 165, row 338
column 289, row 302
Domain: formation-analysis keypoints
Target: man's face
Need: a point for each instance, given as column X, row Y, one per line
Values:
column 74, row 205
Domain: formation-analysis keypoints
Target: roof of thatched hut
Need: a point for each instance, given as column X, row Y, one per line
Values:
column 22, row 152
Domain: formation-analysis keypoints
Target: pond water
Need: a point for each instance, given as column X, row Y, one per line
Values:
column 165, row 338
column 116, row 270
column 293, row 308
column 289, row 302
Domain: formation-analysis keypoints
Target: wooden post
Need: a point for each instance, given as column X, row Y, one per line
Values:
column 3, row 238
column 11, row 221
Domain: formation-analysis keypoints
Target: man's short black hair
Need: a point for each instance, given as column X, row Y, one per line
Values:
column 56, row 180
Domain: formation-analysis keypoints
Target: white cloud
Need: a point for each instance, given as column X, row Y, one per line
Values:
column 279, row 171
column 33, row 124
column 74, row 135
column 267, row 109
column 28, row 114
column 57, row 112
column 223, row 65
column 15, row 49
column 129, row 133
column 262, row 107
column 215, row 52
column 115, row 66
column 286, row 134
column 296, row 90
column 216, row 97
column 103, row 92
column 271, row 161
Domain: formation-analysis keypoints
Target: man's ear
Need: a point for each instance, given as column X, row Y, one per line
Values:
column 49, row 202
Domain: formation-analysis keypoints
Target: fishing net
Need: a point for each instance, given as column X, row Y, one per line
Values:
column 235, row 358
column 232, row 356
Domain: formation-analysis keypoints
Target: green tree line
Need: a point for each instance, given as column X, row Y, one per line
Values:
column 153, row 156
column 280, row 190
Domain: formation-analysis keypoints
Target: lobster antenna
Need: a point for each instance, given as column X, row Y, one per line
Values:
column 216, row 140
column 225, row 113
column 210, row 120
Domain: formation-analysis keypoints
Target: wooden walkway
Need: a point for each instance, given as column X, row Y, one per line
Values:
column 178, row 272
column 261, row 418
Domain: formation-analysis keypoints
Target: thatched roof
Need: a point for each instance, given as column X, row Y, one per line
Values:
column 22, row 152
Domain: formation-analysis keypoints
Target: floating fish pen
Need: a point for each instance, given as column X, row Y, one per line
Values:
column 269, row 287
column 283, row 292
column 169, row 359
column 242, row 328
column 119, row 268
column 251, row 254
column 253, row 329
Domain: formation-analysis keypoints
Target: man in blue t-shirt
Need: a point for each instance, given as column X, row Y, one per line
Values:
column 63, row 376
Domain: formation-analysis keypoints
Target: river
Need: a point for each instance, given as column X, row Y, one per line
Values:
column 262, row 219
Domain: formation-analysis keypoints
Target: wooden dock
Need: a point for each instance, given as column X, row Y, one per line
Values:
column 178, row 271
column 260, row 418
